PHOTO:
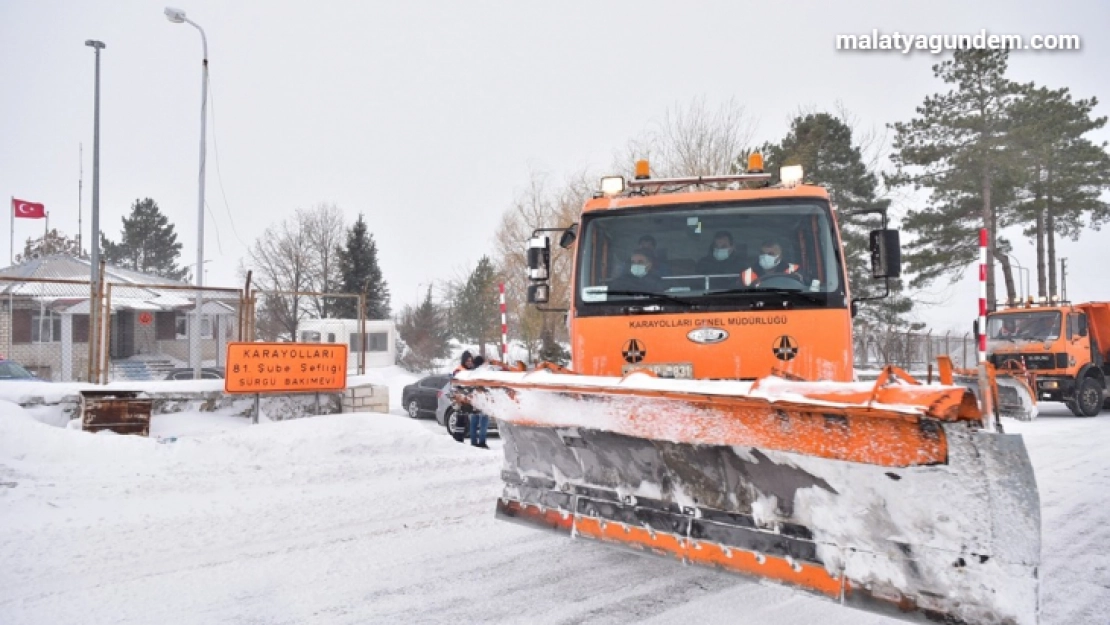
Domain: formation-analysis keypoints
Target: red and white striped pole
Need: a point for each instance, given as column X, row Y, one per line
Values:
column 986, row 393
column 983, row 295
column 504, row 327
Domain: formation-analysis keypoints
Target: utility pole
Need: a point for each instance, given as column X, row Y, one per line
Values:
column 1063, row 279
column 177, row 16
column 80, row 194
column 95, row 322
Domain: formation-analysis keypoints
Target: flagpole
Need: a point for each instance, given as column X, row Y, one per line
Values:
column 11, row 261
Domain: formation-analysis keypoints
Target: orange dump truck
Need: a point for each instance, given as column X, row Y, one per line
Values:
column 712, row 417
column 1065, row 346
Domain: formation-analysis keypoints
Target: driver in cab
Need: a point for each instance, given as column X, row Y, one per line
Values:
column 641, row 277
column 1008, row 330
column 770, row 263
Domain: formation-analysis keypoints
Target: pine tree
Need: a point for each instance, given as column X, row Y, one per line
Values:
column 52, row 242
column 424, row 332
column 959, row 148
column 148, row 243
column 824, row 146
column 358, row 262
column 476, row 315
column 1065, row 172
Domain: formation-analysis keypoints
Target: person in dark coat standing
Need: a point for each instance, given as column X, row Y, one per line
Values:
column 466, row 363
column 479, row 422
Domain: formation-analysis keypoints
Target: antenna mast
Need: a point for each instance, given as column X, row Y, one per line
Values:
column 80, row 185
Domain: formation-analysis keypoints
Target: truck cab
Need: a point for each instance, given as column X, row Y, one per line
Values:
column 1065, row 346
column 730, row 282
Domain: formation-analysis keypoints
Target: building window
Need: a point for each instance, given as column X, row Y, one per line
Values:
column 207, row 322
column 46, row 326
column 375, row 341
column 379, row 342
column 310, row 336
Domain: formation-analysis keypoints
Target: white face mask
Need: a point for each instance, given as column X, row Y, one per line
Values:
column 721, row 253
column 639, row 270
column 768, row 261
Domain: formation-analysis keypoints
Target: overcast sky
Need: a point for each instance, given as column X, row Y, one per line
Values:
column 429, row 116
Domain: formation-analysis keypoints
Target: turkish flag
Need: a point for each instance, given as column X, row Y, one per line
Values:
column 28, row 210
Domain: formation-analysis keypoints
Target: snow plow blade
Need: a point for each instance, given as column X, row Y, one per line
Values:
column 890, row 498
column 1013, row 389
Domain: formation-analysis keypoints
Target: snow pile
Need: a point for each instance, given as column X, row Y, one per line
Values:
column 371, row 518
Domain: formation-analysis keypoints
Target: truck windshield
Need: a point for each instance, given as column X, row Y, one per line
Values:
column 1026, row 326
column 709, row 252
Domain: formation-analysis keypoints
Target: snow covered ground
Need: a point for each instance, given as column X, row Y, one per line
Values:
column 372, row 518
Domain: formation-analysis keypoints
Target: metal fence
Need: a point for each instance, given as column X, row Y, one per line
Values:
column 127, row 327
column 913, row 351
column 314, row 317
column 149, row 337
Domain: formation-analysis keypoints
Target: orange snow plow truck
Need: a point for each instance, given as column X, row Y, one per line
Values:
column 711, row 415
column 1061, row 350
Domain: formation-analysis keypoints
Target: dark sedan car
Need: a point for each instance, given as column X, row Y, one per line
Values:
column 420, row 398
column 207, row 373
column 12, row 371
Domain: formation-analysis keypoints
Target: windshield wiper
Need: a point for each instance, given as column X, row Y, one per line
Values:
column 810, row 297
column 652, row 295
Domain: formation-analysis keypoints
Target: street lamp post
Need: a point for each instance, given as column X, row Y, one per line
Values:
column 1023, row 271
column 177, row 16
column 94, row 261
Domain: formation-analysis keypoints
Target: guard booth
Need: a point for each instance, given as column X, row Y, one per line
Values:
column 123, row 412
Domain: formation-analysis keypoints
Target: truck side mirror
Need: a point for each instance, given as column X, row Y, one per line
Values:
column 539, row 258
column 569, row 236
column 886, row 254
column 538, row 293
column 975, row 330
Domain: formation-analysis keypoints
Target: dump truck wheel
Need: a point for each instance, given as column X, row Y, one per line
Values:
column 1088, row 398
column 414, row 409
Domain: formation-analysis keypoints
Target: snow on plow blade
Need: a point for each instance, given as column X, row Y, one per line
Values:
column 887, row 498
column 1013, row 390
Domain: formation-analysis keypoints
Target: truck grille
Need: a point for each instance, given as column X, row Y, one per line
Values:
column 1031, row 361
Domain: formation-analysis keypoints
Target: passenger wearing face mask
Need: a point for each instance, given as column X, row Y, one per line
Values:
column 770, row 263
column 641, row 275
column 722, row 258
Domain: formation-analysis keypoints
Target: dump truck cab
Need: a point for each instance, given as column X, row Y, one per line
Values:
column 1064, row 346
column 739, row 282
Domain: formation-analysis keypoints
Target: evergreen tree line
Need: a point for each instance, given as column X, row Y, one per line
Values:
column 147, row 244
column 994, row 153
column 469, row 311
column 310, row 265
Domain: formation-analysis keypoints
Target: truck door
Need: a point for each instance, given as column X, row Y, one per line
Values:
column 1079, row 340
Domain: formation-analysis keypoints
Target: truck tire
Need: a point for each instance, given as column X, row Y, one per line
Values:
column 1088, row 398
